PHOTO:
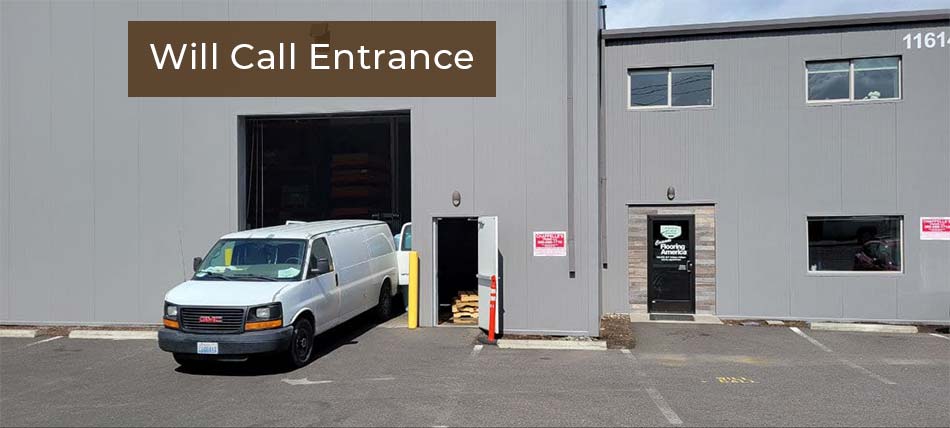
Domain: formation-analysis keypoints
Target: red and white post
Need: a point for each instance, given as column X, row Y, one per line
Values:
column 493, row 297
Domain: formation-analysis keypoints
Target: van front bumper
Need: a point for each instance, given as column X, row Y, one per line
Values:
column 255, row 342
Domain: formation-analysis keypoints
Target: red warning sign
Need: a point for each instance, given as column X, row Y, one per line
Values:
column 935, row 228
column 550, row 244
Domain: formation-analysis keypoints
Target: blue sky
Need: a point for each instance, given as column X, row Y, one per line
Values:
column 648, row 13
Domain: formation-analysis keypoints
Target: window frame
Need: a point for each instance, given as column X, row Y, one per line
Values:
column 851, row 99
column 310, row 255
column 669, row 88
column 868, row 273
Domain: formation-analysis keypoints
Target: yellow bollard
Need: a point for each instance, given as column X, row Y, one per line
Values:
column 413, row 290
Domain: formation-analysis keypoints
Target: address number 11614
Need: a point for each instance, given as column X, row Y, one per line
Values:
column 926, row 40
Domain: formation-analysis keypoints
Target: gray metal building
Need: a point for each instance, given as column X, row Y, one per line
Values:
column 104, row 199
column 762, row 155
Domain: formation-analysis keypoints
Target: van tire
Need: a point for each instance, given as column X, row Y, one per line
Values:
column 300, row 350
column 384, row 309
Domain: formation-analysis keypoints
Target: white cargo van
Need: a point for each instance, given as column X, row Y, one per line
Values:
column 272, row 290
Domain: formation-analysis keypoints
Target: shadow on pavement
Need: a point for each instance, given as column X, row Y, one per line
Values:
column 344, row 334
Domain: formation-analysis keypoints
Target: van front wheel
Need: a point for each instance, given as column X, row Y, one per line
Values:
column 301, row 344
column 384, row 309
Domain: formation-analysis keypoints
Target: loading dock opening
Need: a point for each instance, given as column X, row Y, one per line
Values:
column 321, row 167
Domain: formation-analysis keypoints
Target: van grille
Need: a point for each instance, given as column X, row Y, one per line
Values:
column 231, row 320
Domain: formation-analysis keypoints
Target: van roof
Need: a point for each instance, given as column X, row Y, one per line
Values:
column 300, row 230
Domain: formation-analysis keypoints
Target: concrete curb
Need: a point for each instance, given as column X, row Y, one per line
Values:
column 574, row 345
column 864, row 328
column 19, row 333
column 113, row 335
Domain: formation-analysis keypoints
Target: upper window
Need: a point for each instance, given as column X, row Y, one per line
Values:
column 671, row 87
column 861, row 243
column 854, row 80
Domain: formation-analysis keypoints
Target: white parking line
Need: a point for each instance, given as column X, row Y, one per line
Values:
column 809, row 338
column 380, row 379
column 305, row 381
column 665, row 408
column 629, row 355
column 44, row 341
column 871, row 374
column 846, row 362
column 940, row 336
column 475, row 350
column 655, row 395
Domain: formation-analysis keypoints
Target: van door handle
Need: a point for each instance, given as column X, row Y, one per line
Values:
column 336, row 279
column 689, row 266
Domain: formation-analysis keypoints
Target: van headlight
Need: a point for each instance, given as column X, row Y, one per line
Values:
column 171, row 311
column 170, row 318
column 264, row 317
column 262, row 313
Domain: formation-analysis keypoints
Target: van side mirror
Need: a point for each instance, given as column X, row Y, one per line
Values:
column 321, row 267
column 196, row 263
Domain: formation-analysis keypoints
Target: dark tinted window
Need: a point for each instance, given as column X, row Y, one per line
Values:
column 829, row 80
column 865, row 243
column 876, row 78
column 649, row 88
column 692, row 86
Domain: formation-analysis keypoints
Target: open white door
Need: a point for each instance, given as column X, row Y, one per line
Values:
column 402, row 253
column 487, row 267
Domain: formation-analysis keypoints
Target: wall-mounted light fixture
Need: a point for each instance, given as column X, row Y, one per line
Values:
column 671, row 193
column 456, row 198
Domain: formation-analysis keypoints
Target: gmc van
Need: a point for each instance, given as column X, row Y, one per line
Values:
column 272, row 290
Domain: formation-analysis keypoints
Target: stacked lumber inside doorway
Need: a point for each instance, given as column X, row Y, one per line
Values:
column 465, row 308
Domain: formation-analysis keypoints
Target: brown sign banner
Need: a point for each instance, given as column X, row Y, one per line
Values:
column 311, row 59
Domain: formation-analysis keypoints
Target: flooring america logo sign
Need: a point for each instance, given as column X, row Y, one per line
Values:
column 670, row 231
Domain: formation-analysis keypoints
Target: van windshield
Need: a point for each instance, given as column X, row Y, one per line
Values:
column 253, row 260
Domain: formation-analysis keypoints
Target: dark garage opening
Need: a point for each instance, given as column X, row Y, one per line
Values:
column 322, row 167
column 456, row 270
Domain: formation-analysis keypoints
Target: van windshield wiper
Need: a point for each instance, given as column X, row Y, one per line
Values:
column 215, row 275
column 258, row 277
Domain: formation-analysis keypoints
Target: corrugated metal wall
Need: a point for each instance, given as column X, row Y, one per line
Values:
column 768, row 160
column 106, row 198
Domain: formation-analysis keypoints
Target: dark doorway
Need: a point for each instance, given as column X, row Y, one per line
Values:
column 457, row 269
column 670, row 270
column 321, row 167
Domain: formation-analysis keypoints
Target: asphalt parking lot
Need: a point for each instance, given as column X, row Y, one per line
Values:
column 367, row 375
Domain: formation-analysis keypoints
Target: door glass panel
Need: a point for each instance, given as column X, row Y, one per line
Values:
column 670, row 264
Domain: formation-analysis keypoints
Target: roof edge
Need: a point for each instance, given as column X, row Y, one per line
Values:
column 778, row 24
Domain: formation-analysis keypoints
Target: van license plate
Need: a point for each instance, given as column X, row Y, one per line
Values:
column 208, row 348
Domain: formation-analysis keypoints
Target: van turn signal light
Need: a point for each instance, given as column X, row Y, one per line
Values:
column 170, row 323
column 263, row 325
